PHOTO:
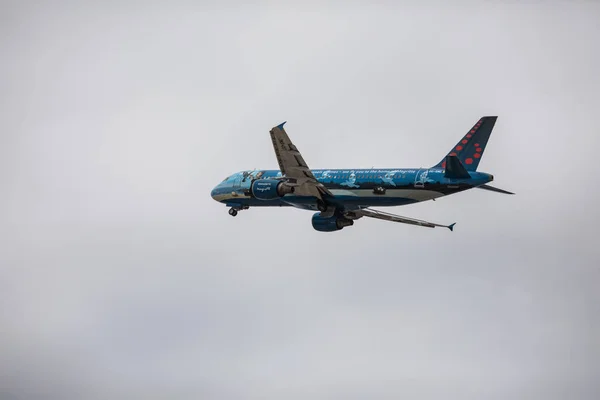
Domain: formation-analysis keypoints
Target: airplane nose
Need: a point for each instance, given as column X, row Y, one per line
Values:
column 213, row 193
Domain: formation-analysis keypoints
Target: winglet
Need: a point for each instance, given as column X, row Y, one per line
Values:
column 451, row 227
column 280, row 126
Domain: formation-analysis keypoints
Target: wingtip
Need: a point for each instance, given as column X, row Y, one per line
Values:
column 451, row 227
column 280, row 126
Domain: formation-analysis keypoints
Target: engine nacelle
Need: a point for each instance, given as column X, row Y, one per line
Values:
column 330, row 224
column 270, row 189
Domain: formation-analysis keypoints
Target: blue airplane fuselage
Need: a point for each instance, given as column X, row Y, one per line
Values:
column 352, row 188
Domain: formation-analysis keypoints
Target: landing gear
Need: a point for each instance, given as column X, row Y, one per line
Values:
column 233, row 211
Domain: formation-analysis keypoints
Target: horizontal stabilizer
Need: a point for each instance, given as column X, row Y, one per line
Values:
column 494, row 189
column 455, row 169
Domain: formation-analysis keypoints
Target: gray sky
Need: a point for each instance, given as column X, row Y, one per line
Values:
column 121, row 278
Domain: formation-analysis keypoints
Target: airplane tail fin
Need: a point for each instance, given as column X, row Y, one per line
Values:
column 469, row 149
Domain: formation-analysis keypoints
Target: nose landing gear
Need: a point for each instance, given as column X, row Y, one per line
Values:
column 233, row 211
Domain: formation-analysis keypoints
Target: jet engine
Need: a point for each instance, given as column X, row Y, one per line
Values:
column 330, row 224
column 270, row 189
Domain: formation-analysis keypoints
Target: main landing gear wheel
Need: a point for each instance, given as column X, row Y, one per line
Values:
column 232, row 212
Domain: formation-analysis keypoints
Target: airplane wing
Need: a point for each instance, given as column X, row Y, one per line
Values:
column 293, row 167
column 366, row 212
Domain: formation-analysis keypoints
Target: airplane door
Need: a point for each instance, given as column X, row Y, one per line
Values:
column 420, row 178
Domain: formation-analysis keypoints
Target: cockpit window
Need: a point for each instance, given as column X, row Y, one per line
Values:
column 224, row 180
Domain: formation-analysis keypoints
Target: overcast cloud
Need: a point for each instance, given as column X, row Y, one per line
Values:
column 121, row 278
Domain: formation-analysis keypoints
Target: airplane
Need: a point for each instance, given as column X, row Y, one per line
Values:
column 342, row 196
